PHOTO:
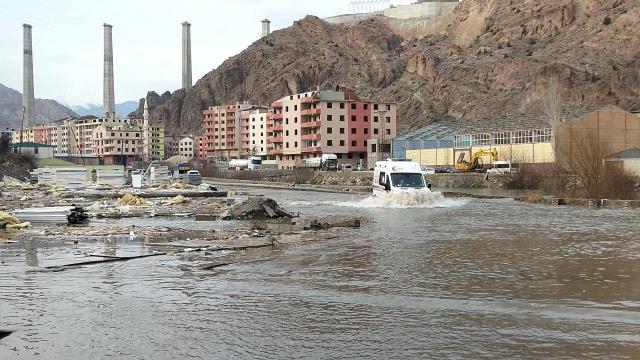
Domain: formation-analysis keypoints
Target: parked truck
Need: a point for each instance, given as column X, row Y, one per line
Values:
column 326, row 162
column 252, row 163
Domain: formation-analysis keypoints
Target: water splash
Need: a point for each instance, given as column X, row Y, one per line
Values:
column 414, row 199
column 403, row 200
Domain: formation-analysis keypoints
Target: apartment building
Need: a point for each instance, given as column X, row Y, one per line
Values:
column 171, row 146
column 186, row 147
column 7, row 132
column 153, row 142
column 39, row 134
column 256, row 127
column 307, row 125
column 120, row 144
column 74, row 137
column 234, row 131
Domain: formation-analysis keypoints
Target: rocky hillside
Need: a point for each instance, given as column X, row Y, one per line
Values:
column 11, row 109
column 490, row 57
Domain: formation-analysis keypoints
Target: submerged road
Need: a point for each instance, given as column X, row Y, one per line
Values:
column 463, row 278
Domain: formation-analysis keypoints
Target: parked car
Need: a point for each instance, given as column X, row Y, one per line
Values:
column 445, row 170
column 347, row 167
column 428, row 170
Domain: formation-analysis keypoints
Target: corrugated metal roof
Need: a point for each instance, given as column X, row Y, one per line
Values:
column 633, row 153
column 490, row 124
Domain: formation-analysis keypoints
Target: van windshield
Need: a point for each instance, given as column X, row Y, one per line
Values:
column 256, row 162
column 407, row 180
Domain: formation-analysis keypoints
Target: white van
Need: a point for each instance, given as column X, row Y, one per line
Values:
column 503, row 167
column 398, row 175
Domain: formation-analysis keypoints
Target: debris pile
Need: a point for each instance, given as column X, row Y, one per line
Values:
column 11, row 222
column 256, row 208
column 77, row 216
column 132, row 200
column 176, row 200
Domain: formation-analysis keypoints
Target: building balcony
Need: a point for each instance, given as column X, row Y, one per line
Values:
column 275, row 116
column 274, row 139
column 311, row 137
column 311, row 149
column 277, row 105
column 310, row 124
column 310, row 112
column 307, row 100
column 276, row 151
column 274, row 128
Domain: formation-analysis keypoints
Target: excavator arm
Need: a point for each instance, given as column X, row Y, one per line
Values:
column 472, row 164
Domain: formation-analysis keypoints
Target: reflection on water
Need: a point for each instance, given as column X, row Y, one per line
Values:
column 467, row 279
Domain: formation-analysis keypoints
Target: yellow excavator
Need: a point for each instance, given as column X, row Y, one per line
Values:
column 475, row 163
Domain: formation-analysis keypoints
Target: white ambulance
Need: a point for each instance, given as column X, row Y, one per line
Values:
column 398, row 175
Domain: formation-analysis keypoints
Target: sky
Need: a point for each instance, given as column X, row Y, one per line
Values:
column 68, row 40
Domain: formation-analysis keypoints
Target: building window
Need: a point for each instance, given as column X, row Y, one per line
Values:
column 366, row 106
column 295, row 132
column 353, row 131
column 388, row 107
column 329, row 117
column 353, row 118
column 373, row 148
column 341, row 105
column 366, row 130
column 295, row 107
column 329, row 130
column 354, row 106
column 329, row 105
column 286, row 132
column 286, row 108
column 329, row 142
column 388, row 119
column 375, row 119
column 341, row 142
column 287, row 145
column 375, row 106
column 295, row 144
column 388, row 131
column 354, row 143
column 341, row 117
column 341, row 130
column 295, row 120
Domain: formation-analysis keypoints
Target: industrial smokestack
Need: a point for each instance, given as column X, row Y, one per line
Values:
column 108, row 96
column 186, row 55
column 266, row 27
column 27, row 77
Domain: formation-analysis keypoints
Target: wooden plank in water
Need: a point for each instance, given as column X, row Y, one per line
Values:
column 106, row 260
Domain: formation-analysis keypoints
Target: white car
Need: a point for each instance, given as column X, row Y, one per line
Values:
column 428, row 170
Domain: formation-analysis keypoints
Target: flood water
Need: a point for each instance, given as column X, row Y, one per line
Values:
column 464, row 278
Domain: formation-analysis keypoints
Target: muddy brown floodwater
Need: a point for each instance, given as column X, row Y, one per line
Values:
column 463, row 278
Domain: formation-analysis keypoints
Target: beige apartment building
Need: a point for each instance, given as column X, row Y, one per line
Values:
column 310, row 124
column 73, row 137
column 233, row 131
column 117, row 145
column 186, row 147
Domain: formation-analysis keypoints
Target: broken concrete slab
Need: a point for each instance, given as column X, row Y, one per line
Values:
column 256, row 208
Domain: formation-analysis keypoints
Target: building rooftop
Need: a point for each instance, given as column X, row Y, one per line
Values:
column 442, row 129
column 633, row 153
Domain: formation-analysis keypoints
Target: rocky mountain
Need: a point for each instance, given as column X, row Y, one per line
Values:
column 123, row 109
column 489, row 57
column 46, row 110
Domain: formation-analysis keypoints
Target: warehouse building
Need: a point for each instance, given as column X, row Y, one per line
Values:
column 525, row 139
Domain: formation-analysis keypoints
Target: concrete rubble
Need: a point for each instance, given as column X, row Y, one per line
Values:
column 169, row 220
column 257, row 208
